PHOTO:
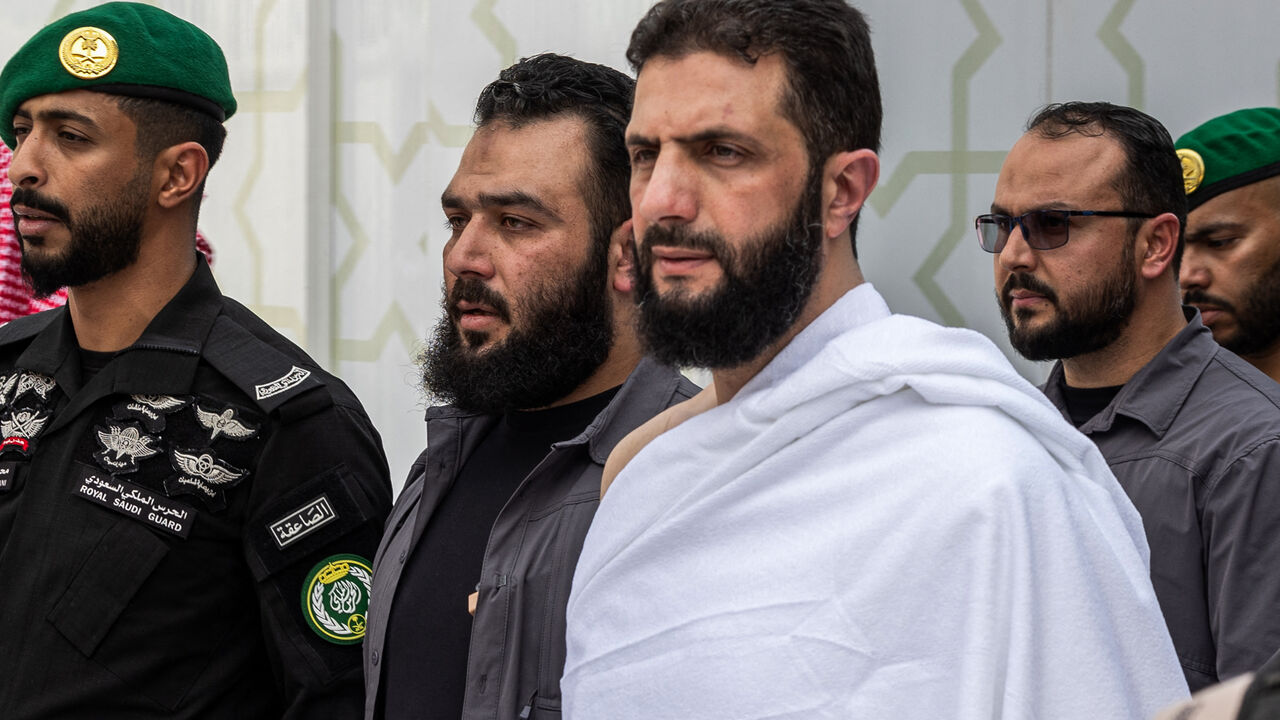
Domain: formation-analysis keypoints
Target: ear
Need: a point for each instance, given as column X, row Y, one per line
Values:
column 622, row 258
column 847, row 180
column 180, row 169
column 1157, row 244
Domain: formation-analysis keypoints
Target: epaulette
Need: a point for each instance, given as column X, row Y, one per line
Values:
column 25, row 328
column 272, row 379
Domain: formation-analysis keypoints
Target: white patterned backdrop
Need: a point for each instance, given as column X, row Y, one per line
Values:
column 324, row 210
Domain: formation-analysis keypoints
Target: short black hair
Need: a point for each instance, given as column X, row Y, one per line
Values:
column 833, row 91
column 162, row 124
column 1151, row 179
column 547, row 85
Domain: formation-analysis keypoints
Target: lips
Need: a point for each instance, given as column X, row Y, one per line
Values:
column 1021, row 299
column 680, row 253
column 1025, row 291
column 25, row 212
column 1212, row 308
column 477, row 317
column 680, row 260
column 34, row 223
column 1209, row 313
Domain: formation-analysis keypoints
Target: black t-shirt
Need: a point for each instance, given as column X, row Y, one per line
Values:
column 429, row 630
column 1084, row 403
column 92, row 361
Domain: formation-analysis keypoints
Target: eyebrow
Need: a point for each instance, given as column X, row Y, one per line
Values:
column 1213, row 228
column 712, row 133
column 998, row 210
column 59, row 114
column 512, row 198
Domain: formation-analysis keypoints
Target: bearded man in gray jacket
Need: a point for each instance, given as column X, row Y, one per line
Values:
column 538, row 361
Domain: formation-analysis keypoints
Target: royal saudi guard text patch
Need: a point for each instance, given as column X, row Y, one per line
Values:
column 335, row 598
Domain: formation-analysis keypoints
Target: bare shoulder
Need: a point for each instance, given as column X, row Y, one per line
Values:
column 635, row 441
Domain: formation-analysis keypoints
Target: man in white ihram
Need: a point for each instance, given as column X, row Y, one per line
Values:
column 866, row 515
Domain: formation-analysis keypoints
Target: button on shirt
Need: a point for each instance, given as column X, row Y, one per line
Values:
column 1194, row 439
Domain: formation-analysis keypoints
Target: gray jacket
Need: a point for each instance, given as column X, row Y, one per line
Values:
column 517, row 637
column 1194, row 439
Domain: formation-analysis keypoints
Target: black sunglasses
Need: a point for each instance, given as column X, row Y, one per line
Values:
column 1042, row 229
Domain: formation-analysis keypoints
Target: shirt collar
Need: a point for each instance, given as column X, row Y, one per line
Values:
column 1155, row 394
column 647, row 391
column 162, row 360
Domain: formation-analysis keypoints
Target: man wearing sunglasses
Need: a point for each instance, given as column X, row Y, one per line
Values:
column 1086, row 231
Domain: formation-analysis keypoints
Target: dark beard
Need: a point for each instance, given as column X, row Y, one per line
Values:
column 1095, row 321
column 765, row 286
column 104, row 238
column 566, row 335
column 1258, row 317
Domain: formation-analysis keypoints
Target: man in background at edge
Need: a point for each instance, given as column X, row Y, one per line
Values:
column 538, row 358
column 187, row 502
column 1086, row 227
column 866, row 515
column 1231, row 266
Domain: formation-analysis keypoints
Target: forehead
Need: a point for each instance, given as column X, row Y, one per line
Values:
column 546, row 159
column 1069, row 172
column 1250, row 205
column 102, row 108
column 676, row 96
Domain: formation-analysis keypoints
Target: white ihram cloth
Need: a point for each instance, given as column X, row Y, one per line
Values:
column 886, row 522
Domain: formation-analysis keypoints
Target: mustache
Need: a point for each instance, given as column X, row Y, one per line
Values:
column 1196, row 296
column 1026, row 281
column 474, row 291
column 34, row 200
column 680, row 236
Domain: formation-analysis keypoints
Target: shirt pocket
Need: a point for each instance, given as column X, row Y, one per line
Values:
column 106, row 583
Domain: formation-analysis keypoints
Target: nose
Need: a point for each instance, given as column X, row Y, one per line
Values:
column 25, row 167
column 469, row 252
column 1194, row 273
column 1016, row 255
column 666, row 193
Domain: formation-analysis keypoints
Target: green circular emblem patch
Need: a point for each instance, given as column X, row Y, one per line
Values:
column 335, row 598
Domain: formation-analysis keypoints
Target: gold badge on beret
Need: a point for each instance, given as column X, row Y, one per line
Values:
column 1192, row 169
column 88, row 52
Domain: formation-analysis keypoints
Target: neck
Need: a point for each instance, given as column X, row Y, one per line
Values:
column 840, row 273
column 1150, row 328
column 111, row 313
column 623, row 357
column 1268, row 361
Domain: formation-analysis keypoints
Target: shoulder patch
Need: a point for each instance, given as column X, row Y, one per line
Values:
column 302, row 521
column 288, row 381
column 269, row 376
column 335, row 598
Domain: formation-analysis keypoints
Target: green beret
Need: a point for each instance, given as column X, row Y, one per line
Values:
column 121, row 48
column 1229, row 152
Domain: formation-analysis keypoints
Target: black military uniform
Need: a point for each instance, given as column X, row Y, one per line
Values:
column 188, row 533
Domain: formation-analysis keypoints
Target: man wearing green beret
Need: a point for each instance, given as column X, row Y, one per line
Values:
column 1231, row 269
column 188, row 503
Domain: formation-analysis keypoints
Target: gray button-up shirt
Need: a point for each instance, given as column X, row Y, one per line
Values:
column 518, row 635
column 1194, row 439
